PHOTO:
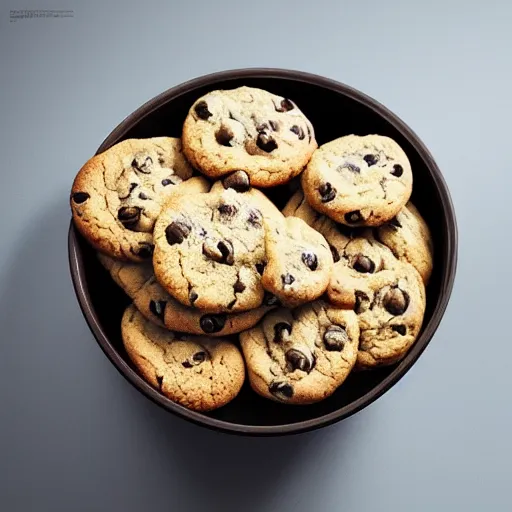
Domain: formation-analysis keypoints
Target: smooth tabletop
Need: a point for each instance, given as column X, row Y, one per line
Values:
column 75, row 436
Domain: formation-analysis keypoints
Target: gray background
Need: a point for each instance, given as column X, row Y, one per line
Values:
column 75, row 436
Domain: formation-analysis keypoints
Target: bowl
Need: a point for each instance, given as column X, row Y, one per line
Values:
column 334, row 109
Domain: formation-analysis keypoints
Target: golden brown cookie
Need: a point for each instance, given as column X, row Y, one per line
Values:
column 303, row 355
column 117, row 195
column 196, row 372
column 248, row 129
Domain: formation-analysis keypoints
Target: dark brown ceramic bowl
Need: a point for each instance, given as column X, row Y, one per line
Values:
column 335, row 110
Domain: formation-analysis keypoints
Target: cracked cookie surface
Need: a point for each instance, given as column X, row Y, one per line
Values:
column 139, row 283
column 209, row 251
column 409, row 237
column 358, row 180
column 117, row 195
column 299, row 262
column 197, row 372
column 303, row 355
column 248, row 129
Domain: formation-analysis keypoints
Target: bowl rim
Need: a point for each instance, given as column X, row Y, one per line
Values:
column 450, row 257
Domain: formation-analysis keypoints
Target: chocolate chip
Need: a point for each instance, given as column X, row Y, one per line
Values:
column 231, row 304
column 129, row 216
column 167, row 181
column 353, row 217
column 363, row 264
column 400, row 329
column 255, row 218
column 143, row 196
column 226, row 249
column 80, row 197
column 212, row 323
column 269, row 299
column 371, row 159
column 145, row 250
column 201, row 110
column 309, row 133
column 397, row 171
column 350, row 167
column 224, row 136
column 335, row 338
column 327, row 192
column 262, row 127
column 133, row 186
column 221, row 253
column 192, row 297
column 279, row 329
column 273, row 125
column 281, row 390
column 197, row 358
column 335, row 253
column 396, row 301
column 239, row 181
column 239, row 287
column 158, row 308
column 298, row 131
column 285, row 105
column 310, row 260
column 299, row 361
column 266, row 143
column 260, row 267
column 176, row 232
column 142, row 163
column 362, row 302
column 287, row 279
column 227, row 210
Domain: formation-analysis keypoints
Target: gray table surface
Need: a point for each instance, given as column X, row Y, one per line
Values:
column 75, row 436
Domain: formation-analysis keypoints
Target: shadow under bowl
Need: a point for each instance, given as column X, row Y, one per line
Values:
column 335, row 110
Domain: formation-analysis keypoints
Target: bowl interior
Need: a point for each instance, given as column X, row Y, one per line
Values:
column 333, row 114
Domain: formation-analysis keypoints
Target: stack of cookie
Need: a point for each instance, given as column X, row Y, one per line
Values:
column 226, row 286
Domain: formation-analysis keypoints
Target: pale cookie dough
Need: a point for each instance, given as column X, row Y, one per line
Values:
column 117, row 195
column 358, row 180
column 248, row 129
column 139, row 283
column 196, row 372
column 303, row 355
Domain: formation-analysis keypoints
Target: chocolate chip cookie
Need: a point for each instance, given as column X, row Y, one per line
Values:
column 139, row 283
column 409, row 237
column 209, row 251
column 196, row 372
column 299, row 262
column 248, row 129
column 358, row 180
column 303, row 355
column 117, row 195
column 390, row 309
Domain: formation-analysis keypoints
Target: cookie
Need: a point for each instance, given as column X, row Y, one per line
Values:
column 197, row 372
column 303, row 355
column 248, row 129
column 390, row 307
column 117, row 195
column 139, row 283
column 409, row 237
column 358, row 180
column 299, row 262
column 210, row 251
